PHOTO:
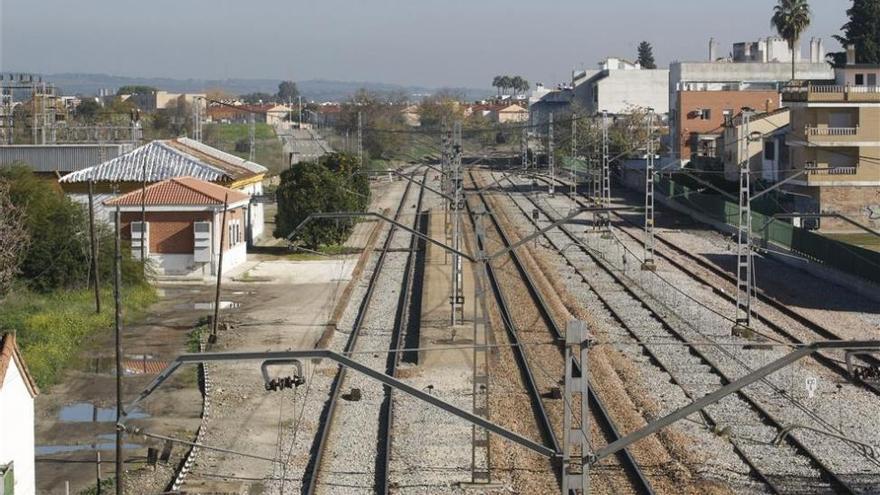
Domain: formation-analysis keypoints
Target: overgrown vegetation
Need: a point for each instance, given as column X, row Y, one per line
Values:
column 52, row 327
column 233, row 138
column 331, row 184
column 51, row 305
column 862, row 30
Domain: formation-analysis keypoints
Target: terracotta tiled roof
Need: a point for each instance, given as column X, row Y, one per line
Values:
column 10, row 354
column 181, row 191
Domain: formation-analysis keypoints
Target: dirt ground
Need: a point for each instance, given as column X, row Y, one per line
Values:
column 65, row 430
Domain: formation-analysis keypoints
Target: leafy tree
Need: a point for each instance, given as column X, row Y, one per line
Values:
column 646, row 56
column 328, row 185
column 383, row 123
column 863, row 31
column 218, row 94
column 444, row 104
column 516, row 83
column 13, row 238
column 88, row 110
column 791, row 18
column 135, row 89
column 57, row 256
column 287, row 91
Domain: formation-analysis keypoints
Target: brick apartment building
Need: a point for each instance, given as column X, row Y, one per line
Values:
column 183, row 226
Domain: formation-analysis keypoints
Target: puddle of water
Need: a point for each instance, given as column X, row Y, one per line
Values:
column 84, row 412
column 62, row 449
column 209, row 305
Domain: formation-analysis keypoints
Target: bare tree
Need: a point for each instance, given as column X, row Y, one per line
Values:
column 13, row 238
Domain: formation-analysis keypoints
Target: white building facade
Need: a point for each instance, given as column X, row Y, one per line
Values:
column 17, row 392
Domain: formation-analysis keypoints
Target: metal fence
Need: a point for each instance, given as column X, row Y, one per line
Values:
column 847, row 258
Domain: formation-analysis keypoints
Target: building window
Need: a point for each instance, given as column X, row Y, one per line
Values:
column 769, row 150
column 704, row 113
column 234, row 233
column 860, row 79
column 872, row 79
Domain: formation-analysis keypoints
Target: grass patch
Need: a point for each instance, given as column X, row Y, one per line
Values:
column 269, row 152
column 51, row 328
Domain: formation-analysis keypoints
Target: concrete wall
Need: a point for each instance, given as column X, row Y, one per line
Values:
column 861, row 204
column 618, row 91
column 17, row 430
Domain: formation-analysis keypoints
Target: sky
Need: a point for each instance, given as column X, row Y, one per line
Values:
column 433, row 43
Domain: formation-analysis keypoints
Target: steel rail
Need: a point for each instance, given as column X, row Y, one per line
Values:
column 625, row 457
column 827, row 472
column 401, row 320
column 825, row 333
column 320, row 444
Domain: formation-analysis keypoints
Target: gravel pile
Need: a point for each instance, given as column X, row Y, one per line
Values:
column 746, row 430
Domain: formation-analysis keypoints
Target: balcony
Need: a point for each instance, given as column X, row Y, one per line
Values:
column 831, row 93
column 832, row 131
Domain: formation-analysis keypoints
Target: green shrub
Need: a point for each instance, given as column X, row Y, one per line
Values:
column 58, row 254
column 333, row 184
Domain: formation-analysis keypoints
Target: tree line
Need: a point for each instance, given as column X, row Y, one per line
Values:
column 514, row 83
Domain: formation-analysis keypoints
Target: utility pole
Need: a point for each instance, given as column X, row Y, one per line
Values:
column 648, row 263
column 524, row 147
column 300, row 111
column 197, row 119
column 252, row 137
column 606, row 169
column 117, row 283
column 576, row 435
column 571, row 171
column 595, row 170
column 216, row 318
column 551, row 160
column 457, row 299
column 93, row 241
column 744, row 235
column 143, row 233
column 360, row 140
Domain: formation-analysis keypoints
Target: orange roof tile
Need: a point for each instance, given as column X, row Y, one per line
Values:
column 181, row 191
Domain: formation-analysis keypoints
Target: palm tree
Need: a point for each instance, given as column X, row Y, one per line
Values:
column 496, row 83
column 791, row 18
column 506, row 82
column 516, row 84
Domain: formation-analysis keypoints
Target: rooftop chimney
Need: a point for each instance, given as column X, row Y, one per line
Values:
column 713, row 49
column 850, row 54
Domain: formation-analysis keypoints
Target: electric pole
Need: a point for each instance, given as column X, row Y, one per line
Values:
column 360, row 140
column 571, row 170
column 457, row 299
column 252, row 137
column 648, row 263
column 117, row 283
column 551, row 160
column 744, row 235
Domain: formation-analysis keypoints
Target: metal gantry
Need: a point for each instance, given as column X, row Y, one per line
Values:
column 576, row 450
column 197, row 119
column 606, row 173
column 744, row 236
column 648, row 263
column 480, row 446
column 360, row 138
column 252, row 137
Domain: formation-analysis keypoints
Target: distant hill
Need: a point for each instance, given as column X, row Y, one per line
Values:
column 315, row 89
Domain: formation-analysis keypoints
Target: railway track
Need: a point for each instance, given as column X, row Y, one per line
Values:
column 323, row 443
column 600, row 415
column 402, row 322
column 679, row 257
column 646, row 319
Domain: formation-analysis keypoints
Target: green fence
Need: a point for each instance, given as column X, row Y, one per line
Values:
column 847, row 258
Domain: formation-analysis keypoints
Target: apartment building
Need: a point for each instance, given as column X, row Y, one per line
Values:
column 835, row 127
column 619, row 87
column 703, row 96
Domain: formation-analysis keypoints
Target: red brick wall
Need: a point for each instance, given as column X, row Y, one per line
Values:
column 171, row 232
column 716, row 101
